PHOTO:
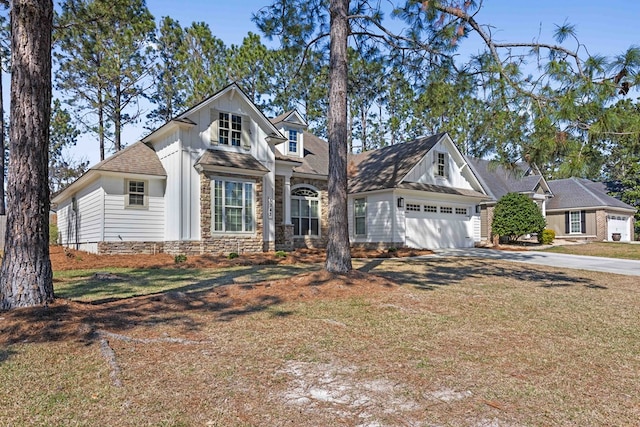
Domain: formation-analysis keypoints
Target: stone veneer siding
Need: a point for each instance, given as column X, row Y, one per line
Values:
column 221, row 243
column 601, row 225
column 315, row 242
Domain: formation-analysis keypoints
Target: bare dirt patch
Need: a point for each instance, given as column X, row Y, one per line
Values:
column 69, row 259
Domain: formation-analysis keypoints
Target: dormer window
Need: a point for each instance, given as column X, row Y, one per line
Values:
column 229, row 129
column 293, row 141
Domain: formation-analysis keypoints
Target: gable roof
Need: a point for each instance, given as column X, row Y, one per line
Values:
column 137, row 158
column 498, row 180
column 574, row 193
column 183, row 118
column 286, row 115
column 386, row 167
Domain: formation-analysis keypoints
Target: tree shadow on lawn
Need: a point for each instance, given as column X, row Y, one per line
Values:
column 429, row 274
column 185, row 308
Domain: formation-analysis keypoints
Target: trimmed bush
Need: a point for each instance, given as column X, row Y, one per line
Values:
column 233, row 255
column 516, row 215
column 281, row 254
column 179, row 259
column 546, row 237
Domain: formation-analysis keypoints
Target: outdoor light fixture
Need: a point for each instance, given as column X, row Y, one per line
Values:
column 400, row 202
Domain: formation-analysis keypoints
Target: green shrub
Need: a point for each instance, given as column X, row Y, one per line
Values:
column 516, row 215
column 180, row 258
column 53, row 234
column 233, row 255
column 281, row 254
column 392, row 250
column 546, row 237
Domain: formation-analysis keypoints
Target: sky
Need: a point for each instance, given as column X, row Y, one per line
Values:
column 604, row 27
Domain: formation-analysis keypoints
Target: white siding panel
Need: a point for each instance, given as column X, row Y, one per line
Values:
column 84, row 225
column 129, row 224
column 425, row 170
column 380, row 217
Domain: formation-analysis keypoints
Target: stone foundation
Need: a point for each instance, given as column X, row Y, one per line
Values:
column 284, row 237
column 124, row 248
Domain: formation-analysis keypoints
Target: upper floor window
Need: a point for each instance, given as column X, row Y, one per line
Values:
column 441, row 164
column 293, row 141
column 229, row 129
column 233, row 206
column 305, row 212
column 136, row 191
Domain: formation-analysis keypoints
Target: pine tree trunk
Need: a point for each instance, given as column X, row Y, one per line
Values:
column 338, row 252
column 26, row 276
column 101, row 128
column 2, row 145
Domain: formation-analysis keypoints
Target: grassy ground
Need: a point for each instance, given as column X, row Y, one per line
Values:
column 458, row 342
column 603, row 249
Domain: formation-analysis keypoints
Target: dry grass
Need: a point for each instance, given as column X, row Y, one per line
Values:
column 437, row 342
column 603, row 249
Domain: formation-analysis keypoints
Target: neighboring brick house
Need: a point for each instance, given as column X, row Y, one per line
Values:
column 574, row 208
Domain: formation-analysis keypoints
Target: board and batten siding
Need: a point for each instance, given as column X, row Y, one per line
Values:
column 425, row 171
column 133, row 224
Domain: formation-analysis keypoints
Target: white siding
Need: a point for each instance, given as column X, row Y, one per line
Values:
column 168, row 150
column 84, row 225
column 380, row 216
column 133, row 224
column 425, row 170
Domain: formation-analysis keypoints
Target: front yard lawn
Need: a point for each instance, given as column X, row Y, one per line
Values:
column 603, row 249
column 436, row 341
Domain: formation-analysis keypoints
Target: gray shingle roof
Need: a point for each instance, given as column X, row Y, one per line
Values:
column 498, row 180
column 431, row 188
column 137, row 158
column 316, row 156
column 228, row 159
column 581, row 193
column 385, row 168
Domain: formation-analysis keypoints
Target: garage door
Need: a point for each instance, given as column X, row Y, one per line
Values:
column 618, row 224
column 437, row 226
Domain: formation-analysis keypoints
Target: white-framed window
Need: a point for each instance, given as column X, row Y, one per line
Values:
column 575, row 222
column 229, row 129
column 233, row 206
column 360, row 216
column 413, row 207
column 446, row 209
column 136, row 196
column 430, row 208
column 305, row 211
column 461, row 211
column 441, row 164
column 293, row 141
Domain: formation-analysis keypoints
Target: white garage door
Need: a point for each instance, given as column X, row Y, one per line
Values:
column 618, row 224
column 437, row 226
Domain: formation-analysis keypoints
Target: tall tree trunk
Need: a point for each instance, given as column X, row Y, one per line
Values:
column 101, row 129
column 338, row 252
column 2, row 144
column 363, row 123
column 117, row 119
column 26, row 278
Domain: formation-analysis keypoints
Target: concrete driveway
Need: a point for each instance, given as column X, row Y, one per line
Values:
column 579, row 262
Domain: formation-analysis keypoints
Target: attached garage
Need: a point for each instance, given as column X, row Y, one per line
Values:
column 435, row 226
column 620, row 224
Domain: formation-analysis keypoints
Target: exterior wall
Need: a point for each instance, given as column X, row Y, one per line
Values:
column 321, row 241
column 123, row 224
column 226, row 243
column 425, row 171
column 82, row 226
column 556, row 222
column 168, row 149
column 381, row 212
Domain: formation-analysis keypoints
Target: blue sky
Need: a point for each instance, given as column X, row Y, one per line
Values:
column 605, row 27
